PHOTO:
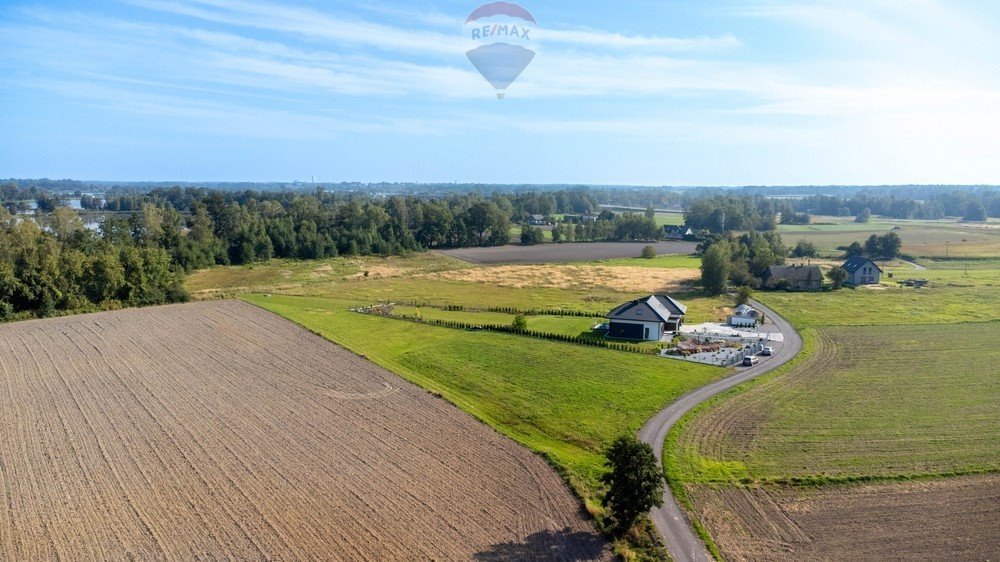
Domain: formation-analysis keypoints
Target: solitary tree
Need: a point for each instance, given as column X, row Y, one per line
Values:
column 531, row 236
column 864, row 216
column 715, row 269
column 837, row 277
column 743, row 295
column 520, row 323
column 804, row 249
column 975, row 213
column 635, row 482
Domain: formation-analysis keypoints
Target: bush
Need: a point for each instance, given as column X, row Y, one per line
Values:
column 520, row 323
column 648, row 252
column 804, row 249
column 531, row 235
column 6, row 312
column 177, row 293
column 837, row 277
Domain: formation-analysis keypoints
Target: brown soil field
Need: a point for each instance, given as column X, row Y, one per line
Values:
column 565, row 253
column 220, row 431
column 615, row 278
column 951, row 519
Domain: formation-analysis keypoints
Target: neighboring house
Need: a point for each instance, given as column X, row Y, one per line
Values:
column 862, row 271
column 745, row 316
column 646, row 319
column 671, row 232
column 538, row 220
column 797, row 277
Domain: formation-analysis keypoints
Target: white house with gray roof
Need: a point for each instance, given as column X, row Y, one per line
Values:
column 646, row 319
column 862, row 271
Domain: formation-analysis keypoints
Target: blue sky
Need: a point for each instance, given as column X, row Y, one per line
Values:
column 627, row 92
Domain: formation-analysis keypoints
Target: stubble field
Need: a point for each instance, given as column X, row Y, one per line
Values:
column 218, row 430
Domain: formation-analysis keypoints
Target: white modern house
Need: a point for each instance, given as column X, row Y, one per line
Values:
column 646, row 319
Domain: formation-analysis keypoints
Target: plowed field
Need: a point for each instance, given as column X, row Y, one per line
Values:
column 952, row 519
column 218, row 430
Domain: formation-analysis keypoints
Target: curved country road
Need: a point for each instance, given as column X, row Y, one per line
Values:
column 671, row 521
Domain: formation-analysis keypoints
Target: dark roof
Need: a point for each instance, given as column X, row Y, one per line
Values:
column 855, row 263
column 795, row 273
column 671, row 229
column 654, row 308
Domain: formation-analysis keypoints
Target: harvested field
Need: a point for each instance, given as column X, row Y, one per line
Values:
column 564, row 253
column 952, row 519
column 591, row 277
column 219, row 430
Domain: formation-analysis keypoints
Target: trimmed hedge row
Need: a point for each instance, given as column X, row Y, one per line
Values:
column 507, row 310
column 506, row 329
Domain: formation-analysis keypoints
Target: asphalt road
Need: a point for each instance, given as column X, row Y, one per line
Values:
column 671, row 520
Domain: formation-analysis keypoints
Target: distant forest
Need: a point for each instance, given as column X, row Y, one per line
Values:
column 147, row 239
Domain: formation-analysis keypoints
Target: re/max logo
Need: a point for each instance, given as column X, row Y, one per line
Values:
column 501, row 31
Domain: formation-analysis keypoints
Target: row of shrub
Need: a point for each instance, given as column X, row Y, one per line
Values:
column 591, row 341
column 507, row 310
column 542, row 312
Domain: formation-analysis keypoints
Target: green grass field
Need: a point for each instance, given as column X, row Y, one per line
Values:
column 865, row 402
column 566, row 325
column 565, row 401
column 925, row 239
column 893, row 383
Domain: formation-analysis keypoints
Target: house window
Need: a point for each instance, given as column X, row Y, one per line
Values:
column 638, row 312
column 647, row 334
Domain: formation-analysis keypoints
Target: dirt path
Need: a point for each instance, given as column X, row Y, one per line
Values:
column 671, row 520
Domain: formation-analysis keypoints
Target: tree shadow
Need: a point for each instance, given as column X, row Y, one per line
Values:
column 565, row 545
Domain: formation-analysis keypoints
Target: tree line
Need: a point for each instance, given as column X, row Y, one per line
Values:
column 969, row 204
column 65, row 267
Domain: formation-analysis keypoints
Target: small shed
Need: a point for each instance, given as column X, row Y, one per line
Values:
column 745, row 316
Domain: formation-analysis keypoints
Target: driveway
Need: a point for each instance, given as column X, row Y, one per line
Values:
column 671, row 520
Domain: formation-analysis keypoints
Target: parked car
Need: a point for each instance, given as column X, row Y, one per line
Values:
column 767, row 351
column 750, row 360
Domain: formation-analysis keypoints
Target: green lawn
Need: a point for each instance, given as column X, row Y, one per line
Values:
column 565, row 401
column 567, row 325
column 673, row 219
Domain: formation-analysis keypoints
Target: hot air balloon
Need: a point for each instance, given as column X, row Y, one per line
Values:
column 505, row 33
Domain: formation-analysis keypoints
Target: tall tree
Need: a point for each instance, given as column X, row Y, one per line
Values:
column 715, row 265
column 634, row 481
